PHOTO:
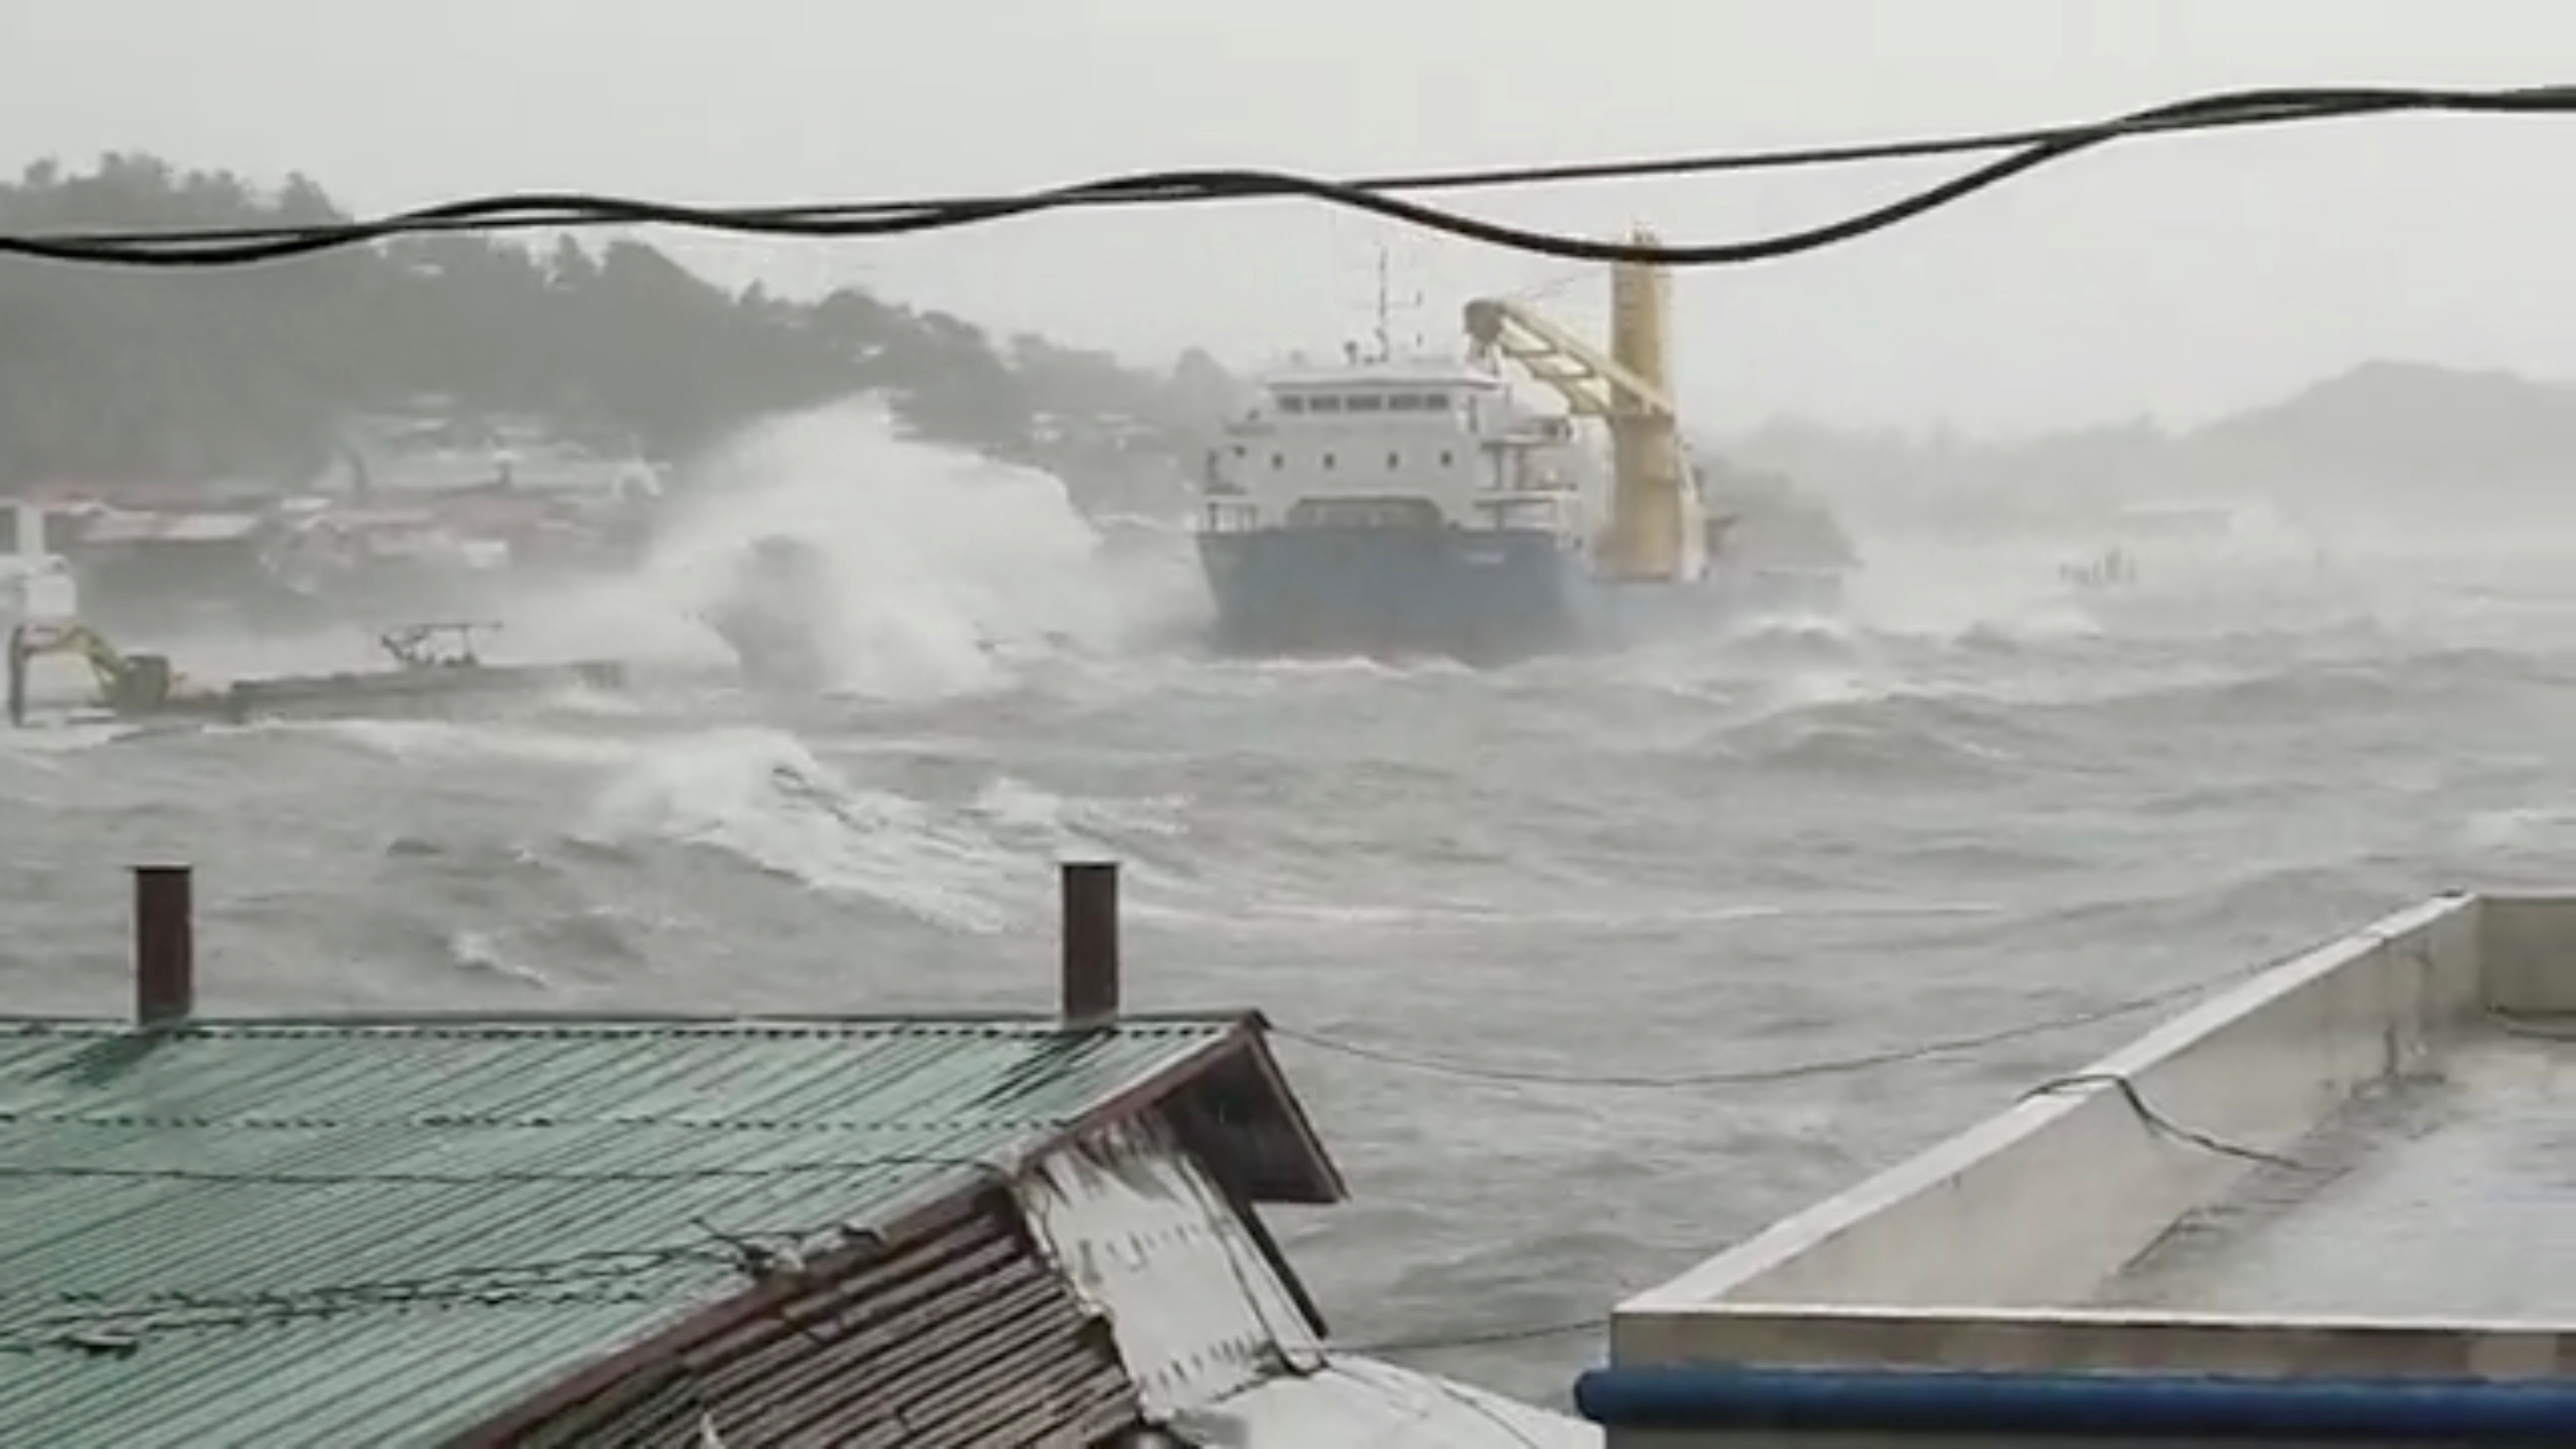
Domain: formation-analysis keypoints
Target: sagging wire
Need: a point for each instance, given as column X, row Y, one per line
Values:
column 93, row 1324
column 501, row 1177
column 2163, row 1125
column 1383, row 196
column 99, row 1327
column 1832, row 1066
column 2154, row 1118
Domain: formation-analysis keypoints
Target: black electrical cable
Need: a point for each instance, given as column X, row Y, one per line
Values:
column 2030, row 148
column 1753, row 1076
column 2163, row 1125
column 2155, row 1119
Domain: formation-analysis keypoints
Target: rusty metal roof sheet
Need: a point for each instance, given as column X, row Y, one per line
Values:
column 378, row 1233
column 1214, row 1334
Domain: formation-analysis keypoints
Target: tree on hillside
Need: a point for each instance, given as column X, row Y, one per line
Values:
column 128, row 374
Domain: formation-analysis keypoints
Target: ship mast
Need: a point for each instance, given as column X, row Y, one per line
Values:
column 1385, row 305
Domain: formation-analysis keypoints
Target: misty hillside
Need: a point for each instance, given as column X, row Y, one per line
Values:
column 127, row 375
column 2404, row 437
column 2396, row 428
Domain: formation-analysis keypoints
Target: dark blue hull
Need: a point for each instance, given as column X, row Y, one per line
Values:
column 1478, row 595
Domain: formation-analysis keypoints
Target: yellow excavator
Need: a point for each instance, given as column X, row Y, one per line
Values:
column 128, row 684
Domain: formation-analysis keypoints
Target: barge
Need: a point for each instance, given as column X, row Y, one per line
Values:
column 434, row 664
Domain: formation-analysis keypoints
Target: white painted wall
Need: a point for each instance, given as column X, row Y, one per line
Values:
column 1983, row 1251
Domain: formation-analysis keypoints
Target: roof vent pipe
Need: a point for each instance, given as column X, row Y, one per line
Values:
column 165, row 947
column 1090, row 987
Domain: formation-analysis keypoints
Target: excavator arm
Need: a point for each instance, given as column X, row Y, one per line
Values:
column 127, row 684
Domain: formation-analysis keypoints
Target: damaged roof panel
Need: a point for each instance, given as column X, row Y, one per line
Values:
column 396, row 1225
column 1214, row 1330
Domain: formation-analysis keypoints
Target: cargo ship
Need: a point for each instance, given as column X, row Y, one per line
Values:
column 1393, row 508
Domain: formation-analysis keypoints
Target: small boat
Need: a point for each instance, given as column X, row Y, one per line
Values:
column 2114, row 568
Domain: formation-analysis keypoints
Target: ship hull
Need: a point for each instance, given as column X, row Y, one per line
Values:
column 1481, row 596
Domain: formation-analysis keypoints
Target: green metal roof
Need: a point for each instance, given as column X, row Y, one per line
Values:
column 379, row 1233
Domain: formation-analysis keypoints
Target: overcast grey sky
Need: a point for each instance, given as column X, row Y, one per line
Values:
column 2178, row 277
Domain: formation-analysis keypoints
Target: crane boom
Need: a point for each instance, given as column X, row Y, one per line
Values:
column 1593, row 383
column 1655, row 531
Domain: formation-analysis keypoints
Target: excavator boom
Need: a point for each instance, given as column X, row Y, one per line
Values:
column 127, row 684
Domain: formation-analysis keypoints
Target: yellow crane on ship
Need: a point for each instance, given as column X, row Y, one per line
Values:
column 1659, row 529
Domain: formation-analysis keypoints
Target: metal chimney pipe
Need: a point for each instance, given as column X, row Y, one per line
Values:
column 165, row 948
column 1090, row 995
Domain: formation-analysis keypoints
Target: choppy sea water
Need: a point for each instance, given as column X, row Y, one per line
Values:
column 1975, row 802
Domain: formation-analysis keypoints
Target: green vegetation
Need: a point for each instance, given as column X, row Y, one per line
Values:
column 115, row 374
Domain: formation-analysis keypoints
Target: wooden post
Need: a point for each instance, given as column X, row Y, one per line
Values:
column 1090, row 943
column 165, row 951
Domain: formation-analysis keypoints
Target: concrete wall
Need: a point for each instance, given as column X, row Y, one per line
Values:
column 1979, row 1253
column 2529, row 947
column 2038, row 1205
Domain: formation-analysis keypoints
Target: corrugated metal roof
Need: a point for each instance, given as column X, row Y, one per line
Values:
column 1214, row 1333
column 1197, row 1309
column 280, row 1233
column 960, row 1333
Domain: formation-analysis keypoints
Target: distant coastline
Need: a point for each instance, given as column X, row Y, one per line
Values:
column 120, row 377
column 2399, row 436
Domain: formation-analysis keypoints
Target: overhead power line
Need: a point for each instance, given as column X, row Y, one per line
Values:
column 1791, row 1071
column 1384, row 196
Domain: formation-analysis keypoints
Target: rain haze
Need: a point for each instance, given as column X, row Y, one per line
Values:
column 1641, row 802
column 2177, row 278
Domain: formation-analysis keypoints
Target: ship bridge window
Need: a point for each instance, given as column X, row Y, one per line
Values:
column 1291, row 403
column 1405, row 402
column 1437, row 402
column 1363, row 513
column 1323, row 402
column 1363, row 402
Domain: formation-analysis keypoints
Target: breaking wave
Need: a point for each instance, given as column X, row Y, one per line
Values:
column 949, row 573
